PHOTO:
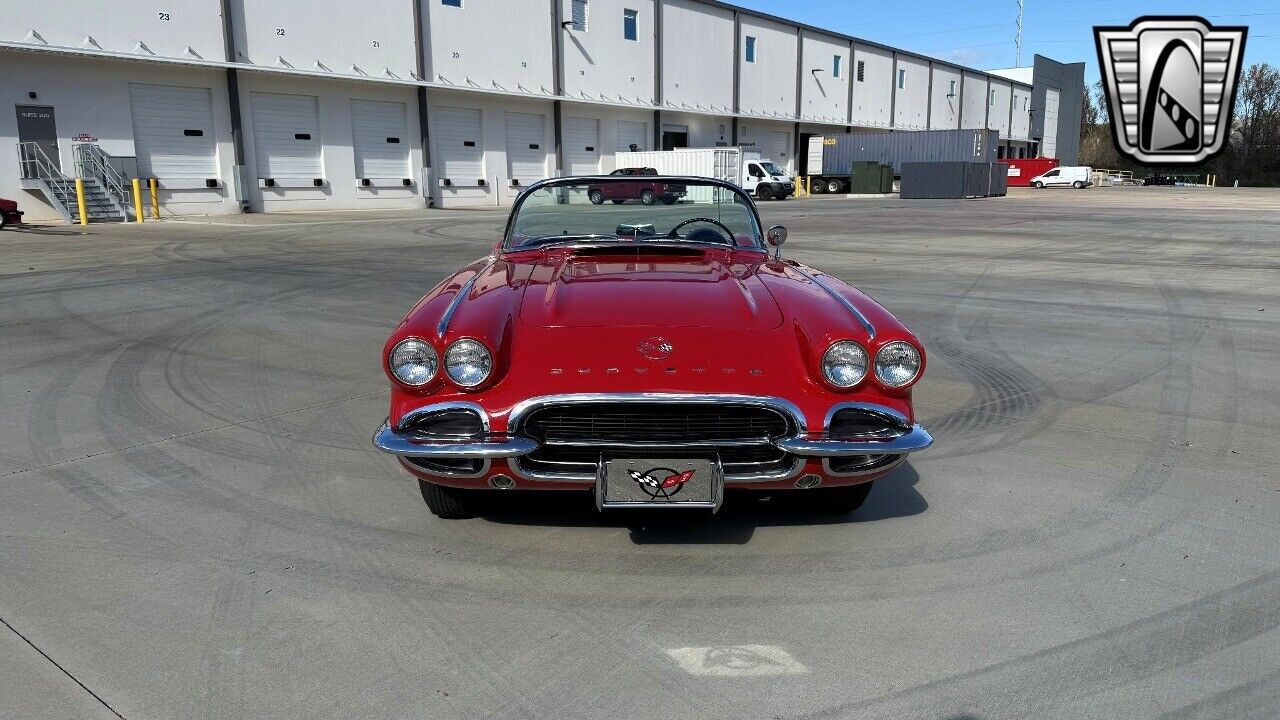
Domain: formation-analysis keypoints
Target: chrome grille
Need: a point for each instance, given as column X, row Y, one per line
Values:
column 572, row 438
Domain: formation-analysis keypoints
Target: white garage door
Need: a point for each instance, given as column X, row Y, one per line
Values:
column 780, row 148
column 459, row 147
column 286, row 136
column 631, row 133
column 380, row 137
column 1049, row 143
column 581, row 146
column 173, row 131
column 526, row 156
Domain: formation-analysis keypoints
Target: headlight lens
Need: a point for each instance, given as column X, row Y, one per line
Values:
column 897, row 364
column 414, row 361
column 468, row 362
column 845, row 364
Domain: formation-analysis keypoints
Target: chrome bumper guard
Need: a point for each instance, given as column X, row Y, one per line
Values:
column 387, row 439
column 917, row 438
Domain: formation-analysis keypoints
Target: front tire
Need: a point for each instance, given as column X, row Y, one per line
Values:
column 764, row 192
column 447, row 503
column 596, row 197
column 1038, row 185
column 4, row 221
column 648, row 197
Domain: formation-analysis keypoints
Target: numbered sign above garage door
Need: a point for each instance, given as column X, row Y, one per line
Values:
column 581, row 146
column 459, row 146
column 380, row 134
column 173, row 132
column 286, row 136
column 526, row 147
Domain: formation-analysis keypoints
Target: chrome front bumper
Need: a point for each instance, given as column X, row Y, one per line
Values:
column 803, row 444
column 390, row 440
column 917, row 438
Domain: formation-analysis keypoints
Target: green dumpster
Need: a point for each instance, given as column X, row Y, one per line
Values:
column 864, row 178
column 886, row 178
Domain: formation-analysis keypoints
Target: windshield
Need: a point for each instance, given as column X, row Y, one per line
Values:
column 634, row 209
column 773, row 169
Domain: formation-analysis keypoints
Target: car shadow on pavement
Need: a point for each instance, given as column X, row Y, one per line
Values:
column 42, row 230
column 894, row 495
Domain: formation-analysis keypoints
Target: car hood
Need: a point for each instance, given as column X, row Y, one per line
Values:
column 702, row 288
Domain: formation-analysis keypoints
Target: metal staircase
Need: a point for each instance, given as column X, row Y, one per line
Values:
column 105, row 197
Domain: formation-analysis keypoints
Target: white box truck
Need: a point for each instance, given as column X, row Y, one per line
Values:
column 745, row 168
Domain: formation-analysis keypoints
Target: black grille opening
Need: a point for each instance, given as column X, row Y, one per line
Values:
column 860, row 463
column 653, row 422
column 447, row 466
column 856, row 423
column 573, row 438
column 456, row 423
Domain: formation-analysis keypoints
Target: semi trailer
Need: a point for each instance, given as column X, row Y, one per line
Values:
column 830, row 158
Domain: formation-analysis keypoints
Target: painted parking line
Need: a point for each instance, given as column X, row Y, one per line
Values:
column 736, row 661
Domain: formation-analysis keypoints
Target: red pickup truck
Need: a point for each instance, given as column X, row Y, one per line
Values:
column 9, row 212
column 644, row 190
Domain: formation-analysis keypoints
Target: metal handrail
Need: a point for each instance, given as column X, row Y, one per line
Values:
column 36, row 165
column 92, row 162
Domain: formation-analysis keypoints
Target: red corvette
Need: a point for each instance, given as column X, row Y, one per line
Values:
column 653, row 355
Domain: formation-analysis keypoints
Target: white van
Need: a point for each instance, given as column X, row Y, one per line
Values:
column 747, row 169
column 1076, row 177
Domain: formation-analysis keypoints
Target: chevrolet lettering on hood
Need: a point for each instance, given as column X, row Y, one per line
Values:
column 599, row 348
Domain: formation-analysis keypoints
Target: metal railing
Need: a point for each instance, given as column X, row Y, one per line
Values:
column 93, row 163
column 36, row 165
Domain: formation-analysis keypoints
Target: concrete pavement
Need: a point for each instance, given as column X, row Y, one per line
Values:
column 193, row 523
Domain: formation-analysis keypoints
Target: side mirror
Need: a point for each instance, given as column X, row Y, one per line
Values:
column 776, row 236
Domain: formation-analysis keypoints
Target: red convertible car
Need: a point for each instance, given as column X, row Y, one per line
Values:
column 653, row 355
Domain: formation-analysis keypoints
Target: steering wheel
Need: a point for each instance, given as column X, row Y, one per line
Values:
column 728, row 233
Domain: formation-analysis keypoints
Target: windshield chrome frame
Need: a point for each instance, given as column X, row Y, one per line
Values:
column 584, row 179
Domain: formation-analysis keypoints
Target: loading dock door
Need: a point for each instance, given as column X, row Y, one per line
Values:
column 286, row 136
column 526, row 154
column 581, row 146
column 380, row 138
column 173, row 132
column 780, row 148
column 632, row 133
column 459, row 146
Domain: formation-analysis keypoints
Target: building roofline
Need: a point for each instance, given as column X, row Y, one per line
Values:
column 854, row 39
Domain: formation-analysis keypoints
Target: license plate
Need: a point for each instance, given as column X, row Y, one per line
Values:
column 659, row 482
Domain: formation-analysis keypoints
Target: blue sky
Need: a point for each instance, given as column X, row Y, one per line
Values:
column 979, row 33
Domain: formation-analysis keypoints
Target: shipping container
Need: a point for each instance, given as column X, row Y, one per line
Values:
column 1021, row 170
column 836, row 154
column 953, row 180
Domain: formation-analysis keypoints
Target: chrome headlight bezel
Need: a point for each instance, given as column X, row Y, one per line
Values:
column 847, row 354
column 461, row 355
column 884, row 364
column 402, row 356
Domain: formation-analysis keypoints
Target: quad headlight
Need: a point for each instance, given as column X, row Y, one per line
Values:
column 468, row 362
column 845, row 364
column 413, row 361
column 897, row 364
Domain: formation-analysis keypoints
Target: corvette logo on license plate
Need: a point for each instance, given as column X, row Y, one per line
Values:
column 659, row 482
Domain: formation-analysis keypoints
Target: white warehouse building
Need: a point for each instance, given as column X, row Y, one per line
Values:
column 257, row 105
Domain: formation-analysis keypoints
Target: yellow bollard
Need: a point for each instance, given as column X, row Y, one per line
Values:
column 84, row 214
column 155, row 200
column 137, row 199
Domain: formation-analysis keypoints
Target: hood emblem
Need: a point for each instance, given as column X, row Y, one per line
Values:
column 661, row 482
column 656, row 348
